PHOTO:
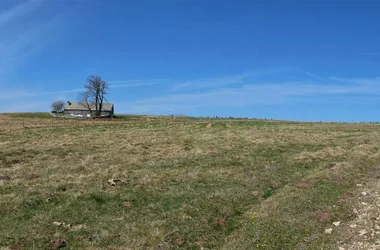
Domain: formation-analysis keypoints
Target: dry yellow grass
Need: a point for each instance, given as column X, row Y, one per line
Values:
column 189, row 183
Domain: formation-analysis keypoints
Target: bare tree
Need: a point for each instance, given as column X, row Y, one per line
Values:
column 57, row 106
column 85, row 100
column 95, row 94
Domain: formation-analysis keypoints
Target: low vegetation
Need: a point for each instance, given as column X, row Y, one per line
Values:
column 165, row 183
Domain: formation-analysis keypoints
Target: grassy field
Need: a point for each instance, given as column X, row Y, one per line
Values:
column 184, row 183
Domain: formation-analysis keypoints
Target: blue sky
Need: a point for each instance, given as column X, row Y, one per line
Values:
column 298, row 60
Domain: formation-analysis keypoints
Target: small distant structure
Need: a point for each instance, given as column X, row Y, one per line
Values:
column 81, row 110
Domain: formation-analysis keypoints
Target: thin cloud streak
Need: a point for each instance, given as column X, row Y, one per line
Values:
column 17, row 46
column 28, row 106
column 134, row 83
column 314, row 76
column 192, row 85
column 255, row 94
column 19, row 11
column 361, row 81
column 14, row 94
column 228, row 80
column 20, row 45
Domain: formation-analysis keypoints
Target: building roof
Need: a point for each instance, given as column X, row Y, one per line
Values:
column 83, row 106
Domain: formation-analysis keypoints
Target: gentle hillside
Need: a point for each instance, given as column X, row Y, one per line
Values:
column 179, row 183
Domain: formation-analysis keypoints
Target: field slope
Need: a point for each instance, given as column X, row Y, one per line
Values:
column 183, row 183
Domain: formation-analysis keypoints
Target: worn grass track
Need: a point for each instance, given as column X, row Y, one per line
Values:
column 189, row 183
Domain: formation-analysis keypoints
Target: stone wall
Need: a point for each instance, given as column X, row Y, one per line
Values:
column 85, row 113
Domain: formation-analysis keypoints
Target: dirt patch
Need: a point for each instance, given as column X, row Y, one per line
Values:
column 348, row 196
column 127, row 204
column 257, row 194
column 201, row 242
column 10, row 159
column 180, row 241
column 5, row 178
column 304, row 184
column 275, row 184
column 322, row 216
column 58, row 244
column 339, row 180
column 331, row 165
column 31, row 176
column 220, row 221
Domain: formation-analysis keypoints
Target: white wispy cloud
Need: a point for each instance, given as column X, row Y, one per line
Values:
column 228, row 80
column 358, row 81
column 208, row 83
column 24, row 31
column 266, row 93
column 243, row 95
column 9, row 94
column 17, row 47
column 135, row 83
column 17, row 93
column 26, row 106
column 18, row 11
column 314, row 76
